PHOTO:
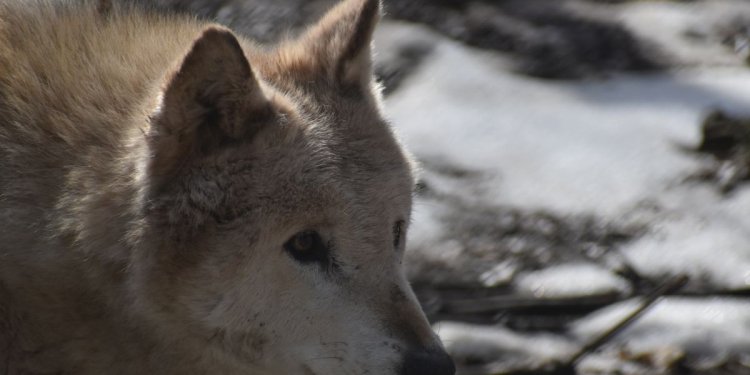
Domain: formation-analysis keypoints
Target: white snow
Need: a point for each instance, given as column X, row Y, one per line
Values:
column 613, row 148
column 497, row 344
column 714, row 249
column 688, row 33
column 571, row 280
column 704, row 330
column 597, row 146
column 605, row 147
column 501, row 274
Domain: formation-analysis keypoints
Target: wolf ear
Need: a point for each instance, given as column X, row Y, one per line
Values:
column 211, row 99
column 341, row 41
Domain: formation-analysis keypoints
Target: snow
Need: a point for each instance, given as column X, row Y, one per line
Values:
column 712, row 249
column 571, row 280
column 670, row 25
column 501, row 274
column 496, row 344
column 705, row 330
column 615, row 148
column 597, row 146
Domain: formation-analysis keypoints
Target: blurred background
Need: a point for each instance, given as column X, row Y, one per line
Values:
column 577, row 155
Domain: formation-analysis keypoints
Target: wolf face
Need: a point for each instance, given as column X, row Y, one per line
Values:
column 275, row 207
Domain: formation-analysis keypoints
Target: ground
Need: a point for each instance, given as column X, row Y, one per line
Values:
column 575, row 155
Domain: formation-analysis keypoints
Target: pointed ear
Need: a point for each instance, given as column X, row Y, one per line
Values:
column 212, row 98
column 341, row 41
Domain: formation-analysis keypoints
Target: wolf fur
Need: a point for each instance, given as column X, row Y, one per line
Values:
column 153, row 169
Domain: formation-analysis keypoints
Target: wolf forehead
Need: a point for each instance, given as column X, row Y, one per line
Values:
column 312, row 156
column 318, row 166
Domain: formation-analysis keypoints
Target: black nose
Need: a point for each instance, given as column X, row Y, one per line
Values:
column 428, row 362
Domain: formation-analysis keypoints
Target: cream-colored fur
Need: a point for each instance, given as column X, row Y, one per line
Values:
column 152, row 172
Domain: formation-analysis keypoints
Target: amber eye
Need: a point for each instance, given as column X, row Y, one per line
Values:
column 306, row 247
column 303, row 242
column 397, row 233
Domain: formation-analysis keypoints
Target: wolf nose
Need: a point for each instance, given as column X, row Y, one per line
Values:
column 428, row 362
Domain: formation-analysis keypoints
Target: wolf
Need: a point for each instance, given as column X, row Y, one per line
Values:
column 178, row 199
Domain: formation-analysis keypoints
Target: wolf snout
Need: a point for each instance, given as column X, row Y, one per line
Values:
column 428, row 362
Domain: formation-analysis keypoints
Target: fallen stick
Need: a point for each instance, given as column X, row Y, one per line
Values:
column 667, row 287
column 568, row 367
column 505, row 303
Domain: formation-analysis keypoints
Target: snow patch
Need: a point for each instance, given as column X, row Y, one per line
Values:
column 571, row 280
column 469, row 343
column 594, row 147
column 707, row 330
column 598, row 146
column 686, row 32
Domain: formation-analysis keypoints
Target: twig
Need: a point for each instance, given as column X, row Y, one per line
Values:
column 667, row 287
column 569, row 367
column 495, row 303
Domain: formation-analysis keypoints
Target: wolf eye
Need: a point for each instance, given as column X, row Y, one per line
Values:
column 397, row 229
column 307, row 247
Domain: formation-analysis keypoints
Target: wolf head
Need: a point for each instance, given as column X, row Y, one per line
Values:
column 278, row 206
